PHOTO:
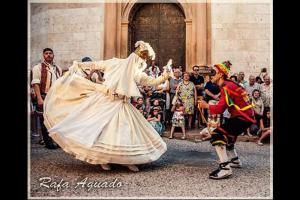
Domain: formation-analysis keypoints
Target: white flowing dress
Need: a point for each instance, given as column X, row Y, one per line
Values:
column 95, row 126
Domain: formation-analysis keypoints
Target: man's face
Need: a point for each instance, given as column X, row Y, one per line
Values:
column 267, row 80
column 48, row 56
column 196, row 70
column 144, row 55
column 217, row 76
column 251, row 80
column 241, row 76
column 140, row 101
column 177, row 73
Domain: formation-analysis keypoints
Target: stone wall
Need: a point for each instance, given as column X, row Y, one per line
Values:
column 241, row 33
column 72, row 30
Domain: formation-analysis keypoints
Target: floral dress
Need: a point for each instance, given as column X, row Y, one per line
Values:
column 187, row 94
column 178, row 118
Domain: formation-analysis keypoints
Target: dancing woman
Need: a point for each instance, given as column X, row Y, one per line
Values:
column 96, row 122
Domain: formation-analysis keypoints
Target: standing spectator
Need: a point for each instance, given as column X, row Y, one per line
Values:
column 198, row 81
column 178, row 118
column 154, row 70
column 33, row 115
column 186, row 91
column 212, row 93
column 258, row 80
column 95, row 76
column 258, row 105
column 155, row 120
column 234, row 78
column 265, row 126
column 173, row 84
column 241, row 80
column 252, row 86
column 43, row 76
column 258, row 111
column 266, row 91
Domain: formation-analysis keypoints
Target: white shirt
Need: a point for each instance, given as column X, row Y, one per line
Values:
column 37, row 75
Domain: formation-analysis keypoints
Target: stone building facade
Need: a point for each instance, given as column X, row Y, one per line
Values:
column 208, row 32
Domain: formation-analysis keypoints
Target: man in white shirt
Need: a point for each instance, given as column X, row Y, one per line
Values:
column 44, row 75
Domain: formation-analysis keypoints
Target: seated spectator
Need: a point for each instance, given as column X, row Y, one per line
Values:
column 213, row 122
column 178, row 119
column 140, row 102
column 141, row 110
column 155, row 120
column 265, row 126
column 156, row 103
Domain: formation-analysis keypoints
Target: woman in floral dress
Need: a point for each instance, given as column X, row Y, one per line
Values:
column 186, row 91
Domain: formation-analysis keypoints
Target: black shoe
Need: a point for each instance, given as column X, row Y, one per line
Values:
column 222, row 172
column 41, row 142
column 51, row 146
column 56, row 145
column 235, row 162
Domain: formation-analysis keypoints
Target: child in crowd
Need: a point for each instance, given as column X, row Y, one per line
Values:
column 178, row 118
column 142, row 110
column 213, row 122
column 140, row 102
column 155, row 120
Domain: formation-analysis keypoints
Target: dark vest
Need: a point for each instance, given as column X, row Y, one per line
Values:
column 44, row 74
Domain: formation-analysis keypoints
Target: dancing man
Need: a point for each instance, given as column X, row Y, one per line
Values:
column 233, row 97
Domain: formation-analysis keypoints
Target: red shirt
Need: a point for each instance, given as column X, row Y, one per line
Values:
column 237, row 99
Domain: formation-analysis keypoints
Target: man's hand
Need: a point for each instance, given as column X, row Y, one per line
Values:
column 40, row 101
column 203, row 104
column 216, row 97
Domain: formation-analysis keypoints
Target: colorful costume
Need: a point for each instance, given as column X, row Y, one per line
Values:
column 234, row 98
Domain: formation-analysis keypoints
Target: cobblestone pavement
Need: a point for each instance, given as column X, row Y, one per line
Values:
column 181, row 172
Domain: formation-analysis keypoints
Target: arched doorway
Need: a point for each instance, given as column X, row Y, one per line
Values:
column 163, row 26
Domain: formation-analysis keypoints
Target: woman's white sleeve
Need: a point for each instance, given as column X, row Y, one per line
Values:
column 145, row 80
column 97, row 65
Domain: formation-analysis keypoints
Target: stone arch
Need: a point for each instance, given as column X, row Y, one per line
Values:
column 198, row 30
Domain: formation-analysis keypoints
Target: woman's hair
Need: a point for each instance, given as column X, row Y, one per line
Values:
column 140, row 98
column 233, row 76
column 180, row 102
column 266, row 110
column 258, row 79
column 186, row 73
column 154, row 109
column 255, row 90
column 139, row 106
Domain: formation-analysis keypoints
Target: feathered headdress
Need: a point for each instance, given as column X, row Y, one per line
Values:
column 144, row 46
column 224, row 67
